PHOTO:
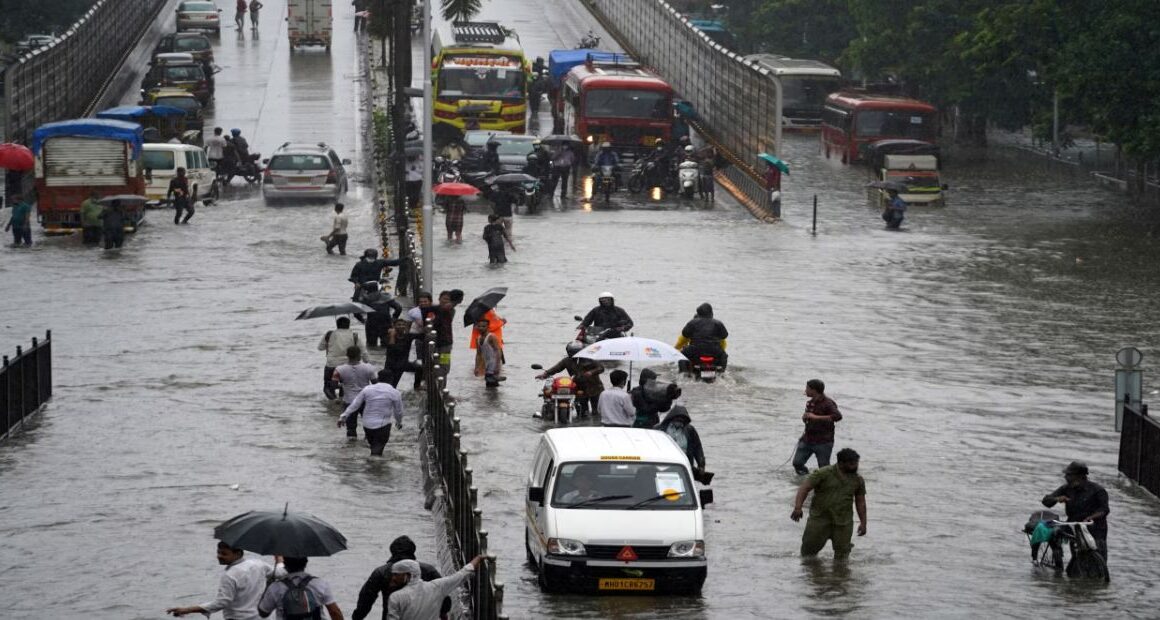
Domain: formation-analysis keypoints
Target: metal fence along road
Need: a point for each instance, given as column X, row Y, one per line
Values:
column 1140, row 447
column 737, row 102
column 25, row 384
column 62, row 81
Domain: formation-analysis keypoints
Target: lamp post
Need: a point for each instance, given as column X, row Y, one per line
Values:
column 428, row 137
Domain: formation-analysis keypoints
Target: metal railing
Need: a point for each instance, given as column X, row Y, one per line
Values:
column 25, row 384
column 62, row 80
column 460, row 495
column 735, row 100
column 1140, row 447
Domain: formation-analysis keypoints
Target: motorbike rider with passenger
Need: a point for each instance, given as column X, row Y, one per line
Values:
column 703, row 335
column 240, row 144
column 607, row 316
column 585, row 372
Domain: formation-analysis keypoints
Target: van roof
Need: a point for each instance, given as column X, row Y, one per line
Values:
column 170, row 146
column 613, row 444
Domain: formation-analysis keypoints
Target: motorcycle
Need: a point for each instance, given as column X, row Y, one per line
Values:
column 705, row 368
column 589, row 41
column 647, row 174
column 559, row 395
column 446, row 171
column 605, row 181
column 689, row 177
column 531, row 196
column 593, row 334
column 250, row 170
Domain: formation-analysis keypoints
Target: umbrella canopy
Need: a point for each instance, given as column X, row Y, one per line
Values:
column 289, row 534
column 16, row 157
column 124, row 198
column 512, row 177
column 480, row 305
column 350, row 307
column 888, row 185
column 774, row 161
column 555, row 139
column 455, row 189
column 631, row 349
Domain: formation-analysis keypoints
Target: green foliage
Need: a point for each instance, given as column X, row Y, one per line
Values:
column 461, row 10
column 819, row 29
column 19, row 18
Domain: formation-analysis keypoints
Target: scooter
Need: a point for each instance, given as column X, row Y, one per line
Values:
column 589, row 41
column 605, row 181
column 689, row 177
column 705, row 368
column 559, row 394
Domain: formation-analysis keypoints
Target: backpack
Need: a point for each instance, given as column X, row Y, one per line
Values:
column 299, row 602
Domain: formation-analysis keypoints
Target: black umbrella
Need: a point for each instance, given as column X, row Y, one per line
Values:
column 349, row 307
column 512, row 177
column 480, row 305
column 296, row 535
column 557, row 138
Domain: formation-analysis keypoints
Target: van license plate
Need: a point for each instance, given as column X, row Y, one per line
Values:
column 627, row 584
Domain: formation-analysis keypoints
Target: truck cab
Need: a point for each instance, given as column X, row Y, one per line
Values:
column 614, row 510
column 914, row 166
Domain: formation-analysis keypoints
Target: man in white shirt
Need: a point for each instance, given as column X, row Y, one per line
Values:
column 215, row 148
column 615, row 404
column 336, row 342
column 379, row 402
column 318, row 593
column 337, row 237
column 353, row 376
column 240, row 588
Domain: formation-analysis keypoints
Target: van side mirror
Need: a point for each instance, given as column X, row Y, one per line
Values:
column 706, row 496
column 536, row 495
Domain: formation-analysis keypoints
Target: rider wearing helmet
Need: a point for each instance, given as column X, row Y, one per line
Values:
column 606, row 156
column 704, row 335
column 607, row 315
column 586, row 374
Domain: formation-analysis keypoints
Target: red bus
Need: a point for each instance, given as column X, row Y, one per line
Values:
column 619, row 102
column 852, row 120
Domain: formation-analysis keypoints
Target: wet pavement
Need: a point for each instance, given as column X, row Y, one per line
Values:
column 971, row 354
column 180, row 373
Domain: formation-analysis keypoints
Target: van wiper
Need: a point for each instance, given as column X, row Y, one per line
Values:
column 669, row 495
column 597, row 500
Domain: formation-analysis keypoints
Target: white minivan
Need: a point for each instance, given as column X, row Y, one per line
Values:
column 161, row 161
column 614, row 510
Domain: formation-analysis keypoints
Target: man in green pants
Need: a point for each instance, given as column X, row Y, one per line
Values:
column 837, row 489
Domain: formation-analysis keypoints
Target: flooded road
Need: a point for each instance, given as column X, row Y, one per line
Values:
column 180, row 372
column 971, row 354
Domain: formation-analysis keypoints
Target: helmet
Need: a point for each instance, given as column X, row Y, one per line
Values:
column 573, row 348
column 537, row 142
column 684, row 140
column 689, row 149
column 235, row 131
column 605, row 294
column 659, row 142
column 605, row 145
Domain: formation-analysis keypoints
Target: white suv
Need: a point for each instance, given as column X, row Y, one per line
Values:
column 304, row 171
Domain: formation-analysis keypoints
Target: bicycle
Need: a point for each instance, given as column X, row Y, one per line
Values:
column 1086, row 561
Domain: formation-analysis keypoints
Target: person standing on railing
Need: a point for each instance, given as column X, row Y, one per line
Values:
column 379, row 583
column 379, row 403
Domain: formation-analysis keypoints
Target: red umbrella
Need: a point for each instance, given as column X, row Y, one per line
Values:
column 455, row 189
column 16, row 157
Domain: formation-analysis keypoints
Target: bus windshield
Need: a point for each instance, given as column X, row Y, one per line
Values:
column 895, row 124
column 481, row 82
column 614, row 103
column 807, row 92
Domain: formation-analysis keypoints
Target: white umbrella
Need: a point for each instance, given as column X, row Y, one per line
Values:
column 631, row 349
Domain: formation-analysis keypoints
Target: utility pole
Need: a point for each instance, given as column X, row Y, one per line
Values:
column 428, row 146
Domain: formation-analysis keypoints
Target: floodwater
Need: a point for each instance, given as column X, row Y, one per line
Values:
column 971, row 354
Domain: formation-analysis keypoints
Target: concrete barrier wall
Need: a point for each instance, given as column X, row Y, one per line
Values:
column 61, row 81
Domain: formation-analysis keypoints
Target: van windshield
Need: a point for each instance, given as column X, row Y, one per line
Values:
column 623, row 485
column 157, row 160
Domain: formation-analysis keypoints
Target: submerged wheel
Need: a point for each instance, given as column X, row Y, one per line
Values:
column 1089, row 565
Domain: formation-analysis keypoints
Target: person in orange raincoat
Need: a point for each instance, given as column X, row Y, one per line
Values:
column 495, row 325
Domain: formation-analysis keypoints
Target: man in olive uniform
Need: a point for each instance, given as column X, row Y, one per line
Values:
column 837, row 490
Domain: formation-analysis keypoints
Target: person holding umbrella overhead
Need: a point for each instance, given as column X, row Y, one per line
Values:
column 484, row 307
column 240, row 587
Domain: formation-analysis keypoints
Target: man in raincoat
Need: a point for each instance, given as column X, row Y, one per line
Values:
column 418, row 599
column 679, row 426
column 704, row 335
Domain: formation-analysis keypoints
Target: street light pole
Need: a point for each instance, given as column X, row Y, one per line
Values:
column 428, row 137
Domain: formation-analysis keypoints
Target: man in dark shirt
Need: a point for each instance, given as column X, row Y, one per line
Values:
column 820, row 416
column 402, row 548
column 178, row 195
column 1083, row 500
column 369, row 268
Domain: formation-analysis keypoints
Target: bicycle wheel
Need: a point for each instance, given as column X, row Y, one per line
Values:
column 1049, row 559
column 1089, row 564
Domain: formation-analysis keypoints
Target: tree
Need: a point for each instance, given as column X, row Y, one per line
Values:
column 461, row 10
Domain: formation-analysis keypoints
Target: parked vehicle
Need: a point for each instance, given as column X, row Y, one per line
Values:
column 76, row 157
column 32, row 42
column 851, row 120
column 309, row 22
column 304, row 171
column 177, row 98
column 614, row 510
column 161, row 162
column 198, row 15
column 193, row 43
column 173, row 71
column 167, row 121
column 513, row 151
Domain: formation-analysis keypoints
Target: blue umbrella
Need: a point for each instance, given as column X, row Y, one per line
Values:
column 774, row 161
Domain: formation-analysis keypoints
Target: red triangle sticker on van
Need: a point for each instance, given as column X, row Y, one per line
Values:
column 626, row 554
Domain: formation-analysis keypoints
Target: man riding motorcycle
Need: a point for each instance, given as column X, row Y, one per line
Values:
column 539, row 162
column 703, row 335
column 586, row 374
column 608, row 157
column 607, row 316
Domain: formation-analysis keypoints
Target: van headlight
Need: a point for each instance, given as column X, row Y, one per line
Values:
column 566, row 546
column 687, row 549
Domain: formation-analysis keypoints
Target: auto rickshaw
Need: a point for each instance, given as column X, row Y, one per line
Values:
column 163, row 121
column 183, row 100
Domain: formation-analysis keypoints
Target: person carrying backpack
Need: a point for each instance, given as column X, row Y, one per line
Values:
column 299, row 596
